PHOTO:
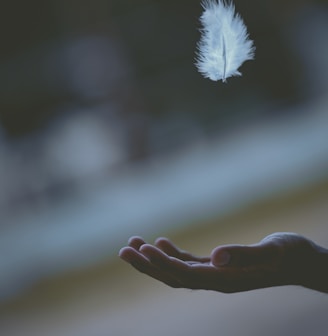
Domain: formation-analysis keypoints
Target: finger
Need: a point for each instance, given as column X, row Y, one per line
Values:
column 131, row 255
column 242, row 256
column 161, row 259
column 168, row 247
column 136, row 242
column 172, row 250
column 143, row 265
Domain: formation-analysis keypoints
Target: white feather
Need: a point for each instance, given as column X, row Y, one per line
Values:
column 224, row 45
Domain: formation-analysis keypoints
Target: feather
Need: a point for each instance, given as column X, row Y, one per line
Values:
column 224, row 45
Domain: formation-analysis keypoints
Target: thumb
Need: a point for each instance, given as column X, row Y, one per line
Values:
column 240, row 255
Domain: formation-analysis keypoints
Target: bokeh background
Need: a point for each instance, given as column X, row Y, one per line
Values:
column 107, row 130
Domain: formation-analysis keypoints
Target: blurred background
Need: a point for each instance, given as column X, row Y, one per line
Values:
column 107, row 130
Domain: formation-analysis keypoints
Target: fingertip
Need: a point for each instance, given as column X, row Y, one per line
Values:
column 163, row 242
column 124, row 252
column 147, row 248
column 136, row 242
column 167, row 246
column 134, row 239
column 220, row 257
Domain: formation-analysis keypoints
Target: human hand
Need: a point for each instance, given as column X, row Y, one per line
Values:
column 279, row 259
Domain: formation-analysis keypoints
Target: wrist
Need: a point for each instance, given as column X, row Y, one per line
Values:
column 315, row 275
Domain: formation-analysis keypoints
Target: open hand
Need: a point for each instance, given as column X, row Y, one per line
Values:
column 276, row 260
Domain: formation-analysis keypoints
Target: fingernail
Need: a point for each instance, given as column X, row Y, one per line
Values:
column 222, row 259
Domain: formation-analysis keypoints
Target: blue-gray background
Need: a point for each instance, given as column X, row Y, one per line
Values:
column 107, row 131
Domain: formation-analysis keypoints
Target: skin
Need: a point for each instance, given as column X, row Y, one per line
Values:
column 279, row 259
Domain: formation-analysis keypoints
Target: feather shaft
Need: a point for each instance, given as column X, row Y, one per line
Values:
column 224, row 56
